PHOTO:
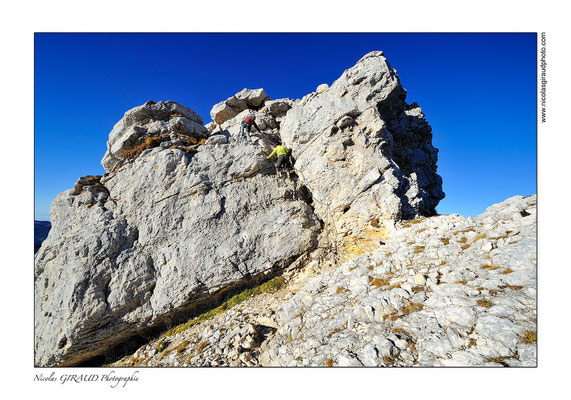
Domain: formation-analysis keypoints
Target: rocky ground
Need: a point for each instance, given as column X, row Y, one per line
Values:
column 439, row 291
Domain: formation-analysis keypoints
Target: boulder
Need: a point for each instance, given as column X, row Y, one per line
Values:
column 277, row 108
column 253, row 97
column 150, row 120
column 419, row 279
column 217, row 139
column 223, row 111
column 245, row 99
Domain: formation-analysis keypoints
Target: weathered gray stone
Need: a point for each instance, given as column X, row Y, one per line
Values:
column 322, row 88
column 253, row 97
column 359, row 124
column 245, row 99
column 149, row 120
column 173, row 229
column 278, row 107
column 217, row 139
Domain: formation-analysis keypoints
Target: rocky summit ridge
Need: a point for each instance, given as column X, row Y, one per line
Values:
column 189, row 251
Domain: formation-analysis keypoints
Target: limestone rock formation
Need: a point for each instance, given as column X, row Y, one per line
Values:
column 187, row 214
column 139, row 247
column 365, row 154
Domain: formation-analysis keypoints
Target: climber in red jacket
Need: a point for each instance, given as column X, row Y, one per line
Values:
column 247, row 124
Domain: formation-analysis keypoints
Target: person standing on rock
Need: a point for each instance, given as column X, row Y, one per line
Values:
column 247, row 124
column 283, row 159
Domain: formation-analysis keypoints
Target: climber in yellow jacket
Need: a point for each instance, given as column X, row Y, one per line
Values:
column 283, row 159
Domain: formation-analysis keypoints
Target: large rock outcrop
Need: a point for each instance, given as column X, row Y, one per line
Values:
column 139, row 247
column 365, row 154
column 187, row 213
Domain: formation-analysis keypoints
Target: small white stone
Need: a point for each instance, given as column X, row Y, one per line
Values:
column 419, row 279
column 488, row 246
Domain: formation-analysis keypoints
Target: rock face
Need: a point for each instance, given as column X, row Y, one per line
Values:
column 136, row 248
column 365, row 154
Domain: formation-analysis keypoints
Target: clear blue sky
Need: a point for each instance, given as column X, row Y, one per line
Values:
column 478, row 92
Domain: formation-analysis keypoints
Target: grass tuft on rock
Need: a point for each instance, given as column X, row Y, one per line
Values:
column 417, row 289
column 529, row 337
column 395, row 286
column 400, row 331
column 182, row 347
column 411, row 307
column 378, row 282
column 484, row 303
column 418, row 249
column 388, row 360
column 270, row 286
column 161, row 346
column 478, row 237
column 512, row 287
column 341, row 289
column 201, row 346
column 149, row 143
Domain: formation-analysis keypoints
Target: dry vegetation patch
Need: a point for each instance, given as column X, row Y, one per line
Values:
column 484, row 303
column 149, row 143
column 529, row 337
column 378, row 282
column 491, row 267
column 411, row 307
